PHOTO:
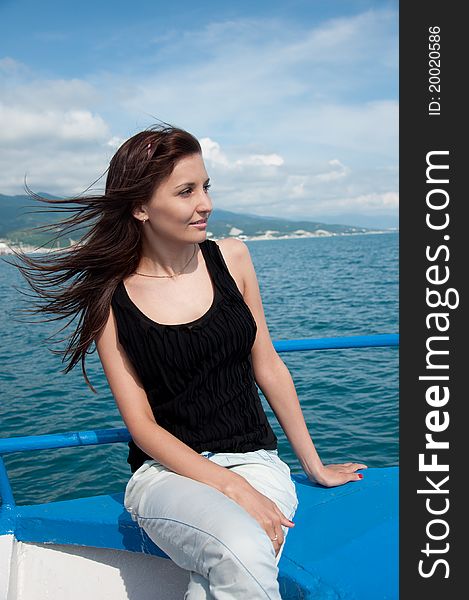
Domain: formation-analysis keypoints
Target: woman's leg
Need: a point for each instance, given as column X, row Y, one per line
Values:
column 227, row 552
column 268, row 474
column 204, row 531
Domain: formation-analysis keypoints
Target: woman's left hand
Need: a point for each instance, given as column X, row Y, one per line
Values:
column 333, row 475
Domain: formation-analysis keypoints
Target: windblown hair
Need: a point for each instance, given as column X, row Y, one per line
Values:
column 79, row 281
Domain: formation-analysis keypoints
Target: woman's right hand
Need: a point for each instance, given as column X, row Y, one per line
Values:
column 261, row 508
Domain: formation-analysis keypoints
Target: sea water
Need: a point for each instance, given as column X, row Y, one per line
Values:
column 310, row 287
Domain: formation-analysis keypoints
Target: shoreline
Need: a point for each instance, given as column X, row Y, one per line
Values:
column 315, row 236
column 27, row 249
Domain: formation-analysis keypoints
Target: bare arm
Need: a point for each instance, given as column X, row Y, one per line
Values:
column 275, row 381
column 278, row 388
column 157, row 442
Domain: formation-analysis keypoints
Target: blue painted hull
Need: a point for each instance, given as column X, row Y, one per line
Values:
column 344, row 544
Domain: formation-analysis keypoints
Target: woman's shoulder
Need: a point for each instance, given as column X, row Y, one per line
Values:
column 234, row 253
column 231, row 248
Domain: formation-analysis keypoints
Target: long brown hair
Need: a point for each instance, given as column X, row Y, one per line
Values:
column 79, row 281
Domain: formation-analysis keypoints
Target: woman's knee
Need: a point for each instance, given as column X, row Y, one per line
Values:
column 224, row 544
column 242, row 565
column 242, row 545
column 237, row 544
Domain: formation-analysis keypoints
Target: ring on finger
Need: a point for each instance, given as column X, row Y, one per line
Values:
column 274, row 539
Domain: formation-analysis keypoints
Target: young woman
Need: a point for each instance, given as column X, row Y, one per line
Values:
column 179, row 327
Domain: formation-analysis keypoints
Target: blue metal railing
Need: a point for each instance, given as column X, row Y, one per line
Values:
column 354, row 341
column 112, row 436
column 63, row 440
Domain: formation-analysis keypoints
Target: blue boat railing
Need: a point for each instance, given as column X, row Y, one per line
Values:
column 112, row 436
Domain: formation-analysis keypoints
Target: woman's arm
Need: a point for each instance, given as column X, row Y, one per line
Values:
column 275, row 381
column 157, row 442
column 278, row 388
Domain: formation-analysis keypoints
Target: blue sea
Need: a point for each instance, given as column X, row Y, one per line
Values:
column 311, row 287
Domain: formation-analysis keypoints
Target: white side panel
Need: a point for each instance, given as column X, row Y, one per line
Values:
column 6, row 552
column 49, row 572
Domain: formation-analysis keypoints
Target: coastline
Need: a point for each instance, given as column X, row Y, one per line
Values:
column 6, row 245
column 322, row 234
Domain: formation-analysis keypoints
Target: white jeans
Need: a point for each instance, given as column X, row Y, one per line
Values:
column 229, row 555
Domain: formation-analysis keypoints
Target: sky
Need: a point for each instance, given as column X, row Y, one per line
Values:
column 295, row 103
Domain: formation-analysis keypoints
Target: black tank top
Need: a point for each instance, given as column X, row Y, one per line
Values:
column 198, row 376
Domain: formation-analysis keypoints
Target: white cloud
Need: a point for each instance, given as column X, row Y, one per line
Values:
column 11, row 66
column 370, row 204
column 337, row 172
column 295, row 186
column 273, row 160
column 373, row 201
column 343, row 40
column 307, row 186
column 50, row 94
column 211, row 151
column 115, row 142
column 21, row 126
column 305, row 96
column 49, row 135
column 289, row 116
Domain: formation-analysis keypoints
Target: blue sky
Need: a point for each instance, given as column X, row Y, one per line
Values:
column 295, row 102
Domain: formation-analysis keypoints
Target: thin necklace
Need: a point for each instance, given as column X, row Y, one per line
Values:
column 175, row 274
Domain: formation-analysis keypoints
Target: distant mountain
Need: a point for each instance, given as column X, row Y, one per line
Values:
column 18, row 214
column 15, row 213
column 222, row 221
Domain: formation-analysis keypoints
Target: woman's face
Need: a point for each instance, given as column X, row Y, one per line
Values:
column 178, row 201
